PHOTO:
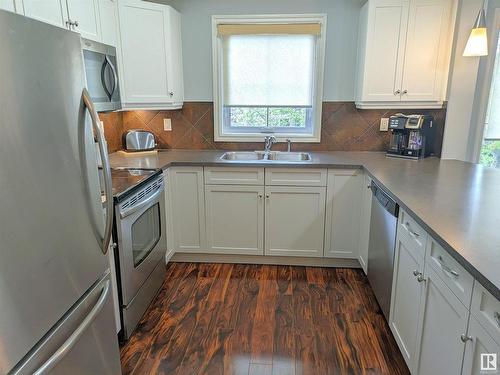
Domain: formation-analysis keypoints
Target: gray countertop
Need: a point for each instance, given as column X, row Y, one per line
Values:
column 458, row 203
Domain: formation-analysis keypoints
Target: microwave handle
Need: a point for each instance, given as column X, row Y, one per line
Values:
column 107, row 62
column 115, row 76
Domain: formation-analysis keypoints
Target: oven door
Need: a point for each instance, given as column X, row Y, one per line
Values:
column 141, row 243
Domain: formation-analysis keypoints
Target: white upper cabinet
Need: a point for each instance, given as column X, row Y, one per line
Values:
column 84, row 16
column 54, row 12
column 404, row 53
column 108, row 10
column 150, row 54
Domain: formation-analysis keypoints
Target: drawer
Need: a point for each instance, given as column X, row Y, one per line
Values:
column 486, row 309
column 451, row 272
column 409, row 242
column 296, row 176
column 413, row 231
column 234, row 176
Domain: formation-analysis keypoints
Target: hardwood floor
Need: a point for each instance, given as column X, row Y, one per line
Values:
column 259, row 320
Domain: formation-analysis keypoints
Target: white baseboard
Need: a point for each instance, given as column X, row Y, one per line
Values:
column 261, row 259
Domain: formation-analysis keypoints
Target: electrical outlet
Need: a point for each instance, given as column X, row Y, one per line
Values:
column 384, row 124
column 167, row 124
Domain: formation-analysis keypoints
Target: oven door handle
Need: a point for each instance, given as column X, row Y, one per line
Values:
column 129, row 211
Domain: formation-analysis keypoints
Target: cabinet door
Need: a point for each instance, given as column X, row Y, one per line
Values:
column 85, row 16
column 443, row 319
column 235, row 219
column 405, row 299
column 174, row 57
column 344, row 196
column 294, row 220
column 188, row 209
column 144, row 64
column 366, row 209
column 427, row 50
column 108, row 11
column 480, row 351
column 49, row 11
column 7, row 5
column 385, row 39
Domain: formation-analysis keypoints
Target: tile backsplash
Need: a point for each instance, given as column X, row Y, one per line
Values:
column 344, row 128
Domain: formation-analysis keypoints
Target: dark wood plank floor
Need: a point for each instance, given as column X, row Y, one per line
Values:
column 251, row 319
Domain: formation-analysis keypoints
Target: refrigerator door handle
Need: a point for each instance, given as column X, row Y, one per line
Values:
column 73, row 338
column 106, row 171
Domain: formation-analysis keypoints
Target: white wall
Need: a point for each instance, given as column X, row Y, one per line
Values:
column 341, row 40
column 462, row 86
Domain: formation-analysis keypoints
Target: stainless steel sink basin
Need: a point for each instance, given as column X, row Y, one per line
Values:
column 243, row 155
column 289, row 156
column 266, row 157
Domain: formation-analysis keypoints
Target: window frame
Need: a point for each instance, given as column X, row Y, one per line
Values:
column 319, row 64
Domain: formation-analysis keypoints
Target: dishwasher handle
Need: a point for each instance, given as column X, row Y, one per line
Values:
column 384, row 199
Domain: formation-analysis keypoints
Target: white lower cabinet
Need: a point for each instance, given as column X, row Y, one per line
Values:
column 343, row 212
column 294, row 220
column 235, row 219
column 443, row 319
column 480, row 351
column 364, row 231
column 188, row 209
column 405, row 298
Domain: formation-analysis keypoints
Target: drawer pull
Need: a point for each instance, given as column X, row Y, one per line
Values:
column 409, row 230
column 465, row 338
column 445, row 267
column 496, row 314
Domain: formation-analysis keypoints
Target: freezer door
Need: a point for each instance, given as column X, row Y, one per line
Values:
column 83, row 342
column 51, row 221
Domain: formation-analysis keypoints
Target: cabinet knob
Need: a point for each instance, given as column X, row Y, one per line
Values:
column 397, row 92
column 416, row 273
column 68, row 23
column 171, row 93
column 404, row 92
column 421, row 278
column 75, row 23
column 260, row 196
column 267, row 196
column 465, row 338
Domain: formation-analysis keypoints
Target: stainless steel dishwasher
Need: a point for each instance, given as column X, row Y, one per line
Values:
column 383, row 223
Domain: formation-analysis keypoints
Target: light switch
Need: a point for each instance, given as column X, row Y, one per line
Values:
column 384, row 124
column 167, row 124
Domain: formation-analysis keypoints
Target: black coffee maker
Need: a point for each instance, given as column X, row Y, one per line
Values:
column 412, row 136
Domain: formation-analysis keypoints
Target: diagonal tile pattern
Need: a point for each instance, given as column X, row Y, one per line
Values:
column 344, row 128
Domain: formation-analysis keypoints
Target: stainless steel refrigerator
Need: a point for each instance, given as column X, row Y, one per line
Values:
column 56, row 313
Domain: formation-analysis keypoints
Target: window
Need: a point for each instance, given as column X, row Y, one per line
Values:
column 268, row 74
column 490, row 148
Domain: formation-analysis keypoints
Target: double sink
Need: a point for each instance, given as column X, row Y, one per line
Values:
column 266, row 156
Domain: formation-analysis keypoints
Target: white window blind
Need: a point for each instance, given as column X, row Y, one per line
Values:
column 268, row 69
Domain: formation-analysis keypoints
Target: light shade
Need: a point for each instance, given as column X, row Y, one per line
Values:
column 477, row 44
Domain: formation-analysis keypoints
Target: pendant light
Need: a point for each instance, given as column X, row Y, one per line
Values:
column 477, row 44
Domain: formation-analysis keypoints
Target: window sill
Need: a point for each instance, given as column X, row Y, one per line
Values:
column 260, row 138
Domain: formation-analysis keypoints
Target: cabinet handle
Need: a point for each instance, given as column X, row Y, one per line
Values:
column 397, row 92
column 465, row 338
column 416, row 273
column 445, row 267
column 404, row 92
column 421, row 278
column 496, row 315
column 411, row 232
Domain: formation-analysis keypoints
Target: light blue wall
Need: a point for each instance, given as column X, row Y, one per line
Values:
column 341, row 40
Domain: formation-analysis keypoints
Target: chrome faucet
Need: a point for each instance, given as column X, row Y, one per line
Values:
column 268, row 143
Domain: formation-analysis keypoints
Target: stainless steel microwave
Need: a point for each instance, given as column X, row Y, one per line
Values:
column 102, row 75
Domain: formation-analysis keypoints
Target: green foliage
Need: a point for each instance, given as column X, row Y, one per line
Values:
column 268, row 116
column 490, row 154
